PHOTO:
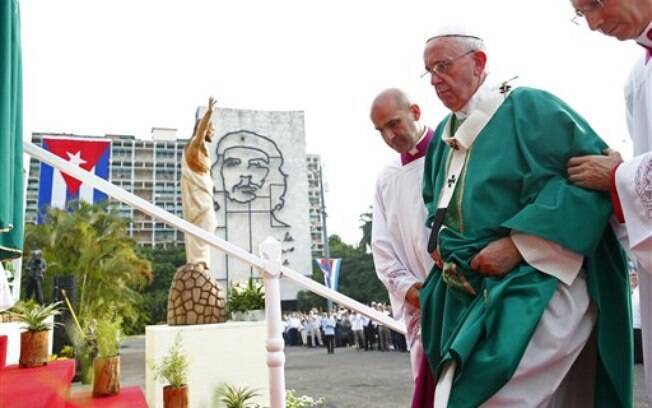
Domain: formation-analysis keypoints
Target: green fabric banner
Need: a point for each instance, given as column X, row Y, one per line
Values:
column 11, row 132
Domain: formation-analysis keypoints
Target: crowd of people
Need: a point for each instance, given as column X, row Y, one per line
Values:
column 341, row 327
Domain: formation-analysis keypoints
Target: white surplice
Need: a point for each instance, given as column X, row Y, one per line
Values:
column 634, row 186
column 399, row 242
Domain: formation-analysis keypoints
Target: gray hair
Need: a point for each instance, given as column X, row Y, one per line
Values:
column 465, row 41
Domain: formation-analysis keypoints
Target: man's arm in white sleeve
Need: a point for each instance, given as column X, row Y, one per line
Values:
column 394, row 275
column 634, row 185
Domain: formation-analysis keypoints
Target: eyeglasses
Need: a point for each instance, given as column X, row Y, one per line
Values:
column 581, row 13
column 442, row 67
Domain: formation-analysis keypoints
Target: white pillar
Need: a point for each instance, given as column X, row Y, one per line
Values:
column 270, row 251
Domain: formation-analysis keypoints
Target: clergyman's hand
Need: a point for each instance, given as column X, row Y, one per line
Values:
column 593, row 171
column 497, row 258
column 412, row 295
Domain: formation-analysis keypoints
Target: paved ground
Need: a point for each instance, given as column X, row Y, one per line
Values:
column 346, row 379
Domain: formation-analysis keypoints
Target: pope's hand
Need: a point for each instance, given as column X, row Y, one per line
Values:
column 437, row 258
column 412, row 295
column 593, row 171
column 497, row 258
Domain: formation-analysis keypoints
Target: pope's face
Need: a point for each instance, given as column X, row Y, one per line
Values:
column 623, row 19
column 456, row 84
column 397, row 124
column 244, row 171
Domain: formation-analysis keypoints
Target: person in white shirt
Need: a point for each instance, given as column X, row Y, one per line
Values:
column 629, row 181
column 306, row 331
column 399, row 236
column 357, row 325
column 315, row 321
column 294, row 326
column 328, row 324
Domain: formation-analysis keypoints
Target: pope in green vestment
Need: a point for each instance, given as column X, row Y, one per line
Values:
column 515, row 179
column 11, row 144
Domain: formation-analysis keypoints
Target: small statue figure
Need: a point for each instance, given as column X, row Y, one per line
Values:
column 197, row 188
column 195, row 297
column 35, row 268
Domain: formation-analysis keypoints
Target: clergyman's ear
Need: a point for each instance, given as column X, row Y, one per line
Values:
column 416, row 111
column 480, row 58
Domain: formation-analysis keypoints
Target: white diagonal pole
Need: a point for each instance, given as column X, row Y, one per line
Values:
column 208, row 237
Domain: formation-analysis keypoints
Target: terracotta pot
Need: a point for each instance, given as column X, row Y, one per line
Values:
column 106, row 378
column 175, row 397
column 34, row 348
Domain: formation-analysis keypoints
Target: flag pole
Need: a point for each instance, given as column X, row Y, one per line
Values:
column 327, row 251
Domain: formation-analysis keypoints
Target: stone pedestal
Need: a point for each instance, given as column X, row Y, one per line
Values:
column 232, row 352
column 195, row 297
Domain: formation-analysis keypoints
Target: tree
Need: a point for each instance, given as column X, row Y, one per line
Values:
column 365, row 241
column 357, row 276
column 90, row 243
column 165, row 262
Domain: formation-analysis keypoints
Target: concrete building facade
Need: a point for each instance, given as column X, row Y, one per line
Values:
column 151, row 169
column 315, row 198
column 261, row 189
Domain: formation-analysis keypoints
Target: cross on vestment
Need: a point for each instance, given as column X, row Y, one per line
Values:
column 451, row 181
column 505, row 87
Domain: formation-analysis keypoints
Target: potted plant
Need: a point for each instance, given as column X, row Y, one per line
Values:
column 235, row 302
column 229, row 396
column 85, row 340
column 34, row 341
column 174, row 370
column 106, row 366
column 247, row 301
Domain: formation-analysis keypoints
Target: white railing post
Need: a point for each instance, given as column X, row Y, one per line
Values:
column 270, row 251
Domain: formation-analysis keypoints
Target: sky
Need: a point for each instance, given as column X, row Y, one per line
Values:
column 95, row 67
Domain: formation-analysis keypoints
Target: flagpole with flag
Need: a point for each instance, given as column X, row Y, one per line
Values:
column 57, row 189
column 11, row 132
column 330, row 267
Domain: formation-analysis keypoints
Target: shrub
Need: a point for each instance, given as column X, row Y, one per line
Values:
column 229, row 396
column 174, row 366
column 246, row 296
column 35, row 315
column 107, row 334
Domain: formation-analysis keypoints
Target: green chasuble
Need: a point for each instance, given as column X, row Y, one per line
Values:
column 515, row 179
column 11, row 133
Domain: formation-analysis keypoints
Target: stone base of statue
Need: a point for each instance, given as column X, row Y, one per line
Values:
column 195, row 297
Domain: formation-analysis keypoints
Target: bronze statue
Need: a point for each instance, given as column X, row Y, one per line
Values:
column 195, row 297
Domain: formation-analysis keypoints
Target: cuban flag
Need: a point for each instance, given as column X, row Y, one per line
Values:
column 331, row 270
column 56, row 189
